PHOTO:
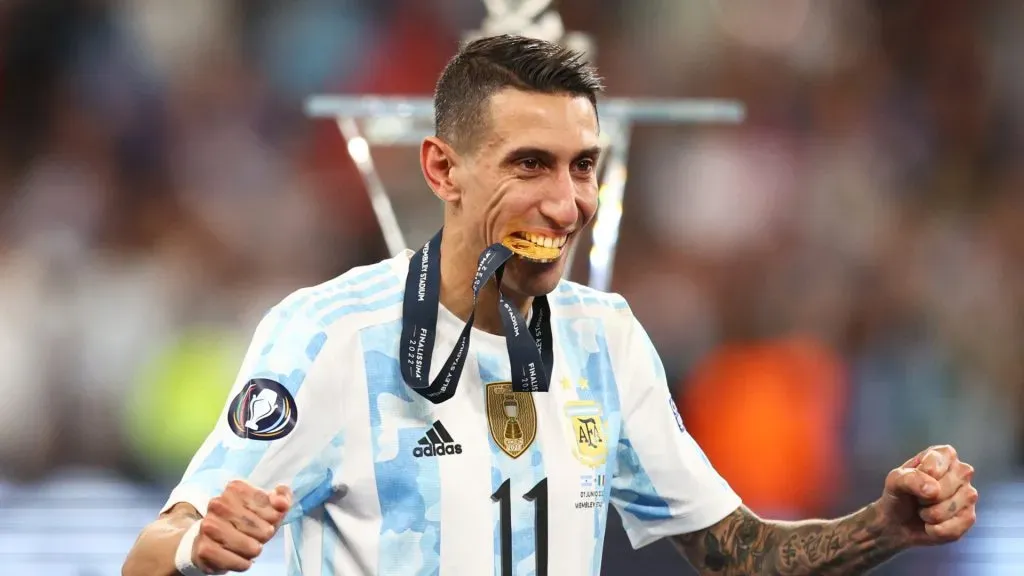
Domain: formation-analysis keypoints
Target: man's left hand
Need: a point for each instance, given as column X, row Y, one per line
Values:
column 929, row 499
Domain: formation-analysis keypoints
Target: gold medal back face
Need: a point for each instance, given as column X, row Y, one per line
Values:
column 511, row 417
column 526, row 249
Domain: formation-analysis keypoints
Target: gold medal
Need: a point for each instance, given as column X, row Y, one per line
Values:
column 526, row 249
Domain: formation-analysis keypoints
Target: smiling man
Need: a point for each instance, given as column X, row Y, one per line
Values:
column 411, row 417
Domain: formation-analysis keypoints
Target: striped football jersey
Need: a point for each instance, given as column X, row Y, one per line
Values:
column 493, row 481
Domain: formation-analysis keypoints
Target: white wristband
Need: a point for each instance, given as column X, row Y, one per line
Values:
column 183, row 556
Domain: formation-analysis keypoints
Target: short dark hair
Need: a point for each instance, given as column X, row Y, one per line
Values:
column 488, row 65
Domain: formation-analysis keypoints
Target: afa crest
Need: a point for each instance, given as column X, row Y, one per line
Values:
column 511, row 417
column 588, row 432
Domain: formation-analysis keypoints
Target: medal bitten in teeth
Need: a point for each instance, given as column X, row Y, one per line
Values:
column 535, row 247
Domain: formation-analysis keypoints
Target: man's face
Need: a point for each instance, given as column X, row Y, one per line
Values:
column 531, row 184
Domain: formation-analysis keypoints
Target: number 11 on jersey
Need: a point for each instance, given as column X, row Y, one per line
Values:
column 539, row 496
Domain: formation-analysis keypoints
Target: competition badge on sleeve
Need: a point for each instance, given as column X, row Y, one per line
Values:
column 263, row 410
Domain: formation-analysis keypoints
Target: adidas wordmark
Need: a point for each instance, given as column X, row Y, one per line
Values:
column 436, row 442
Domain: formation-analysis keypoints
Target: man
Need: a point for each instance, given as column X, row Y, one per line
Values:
column 503, row 460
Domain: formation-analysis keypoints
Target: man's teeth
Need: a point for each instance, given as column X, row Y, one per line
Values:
column 546, row 241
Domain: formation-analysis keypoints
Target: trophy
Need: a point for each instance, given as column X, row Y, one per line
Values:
column 260, row 407
column 532, row 18
column 513, row 430
column 366, row 121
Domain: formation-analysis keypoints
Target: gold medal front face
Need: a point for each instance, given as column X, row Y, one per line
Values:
column 529, row 250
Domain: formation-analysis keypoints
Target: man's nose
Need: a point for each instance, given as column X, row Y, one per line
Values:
column 559, row 205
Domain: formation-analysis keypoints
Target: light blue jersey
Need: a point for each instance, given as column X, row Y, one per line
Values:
column 490, row 482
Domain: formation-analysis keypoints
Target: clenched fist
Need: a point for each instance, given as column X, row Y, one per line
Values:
column 930, row 498
column 237, row 525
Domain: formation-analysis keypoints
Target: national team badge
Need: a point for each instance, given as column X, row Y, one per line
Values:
column 588, row 431
column 512, row 418
column 263, row 410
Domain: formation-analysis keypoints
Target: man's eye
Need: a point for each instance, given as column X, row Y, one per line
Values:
column 585, row 165
column 530, row 163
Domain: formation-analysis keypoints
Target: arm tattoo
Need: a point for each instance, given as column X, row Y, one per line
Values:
column 249, row 523
column 743, row 544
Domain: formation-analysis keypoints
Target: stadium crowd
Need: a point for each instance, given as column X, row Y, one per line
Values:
column 832, row 285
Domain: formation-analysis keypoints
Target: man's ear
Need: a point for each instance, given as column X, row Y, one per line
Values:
column 437, row 160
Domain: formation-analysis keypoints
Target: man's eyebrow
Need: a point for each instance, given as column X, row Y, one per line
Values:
column 546, row 156
column 517, row 154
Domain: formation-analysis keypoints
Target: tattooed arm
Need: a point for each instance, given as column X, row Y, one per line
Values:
column 743, row 544
column 927, row 501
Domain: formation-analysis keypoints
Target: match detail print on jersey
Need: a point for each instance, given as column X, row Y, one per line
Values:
column 263, row 410
column 530, row 354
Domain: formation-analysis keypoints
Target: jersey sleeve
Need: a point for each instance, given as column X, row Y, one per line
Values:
column 277, row 426
column 664, row 485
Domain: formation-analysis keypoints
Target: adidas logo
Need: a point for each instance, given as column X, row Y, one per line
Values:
column 436, row 442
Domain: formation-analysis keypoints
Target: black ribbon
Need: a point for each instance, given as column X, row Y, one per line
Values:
column 529, row 350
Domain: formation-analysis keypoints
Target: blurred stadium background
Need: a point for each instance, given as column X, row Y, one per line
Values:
column 833, row 285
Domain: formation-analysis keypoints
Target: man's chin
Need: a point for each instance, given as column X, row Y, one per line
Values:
column 532, row 279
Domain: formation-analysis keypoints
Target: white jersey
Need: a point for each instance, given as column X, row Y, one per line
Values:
column 489, row 482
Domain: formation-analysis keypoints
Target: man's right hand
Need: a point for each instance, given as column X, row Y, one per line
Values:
column 237, row 525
